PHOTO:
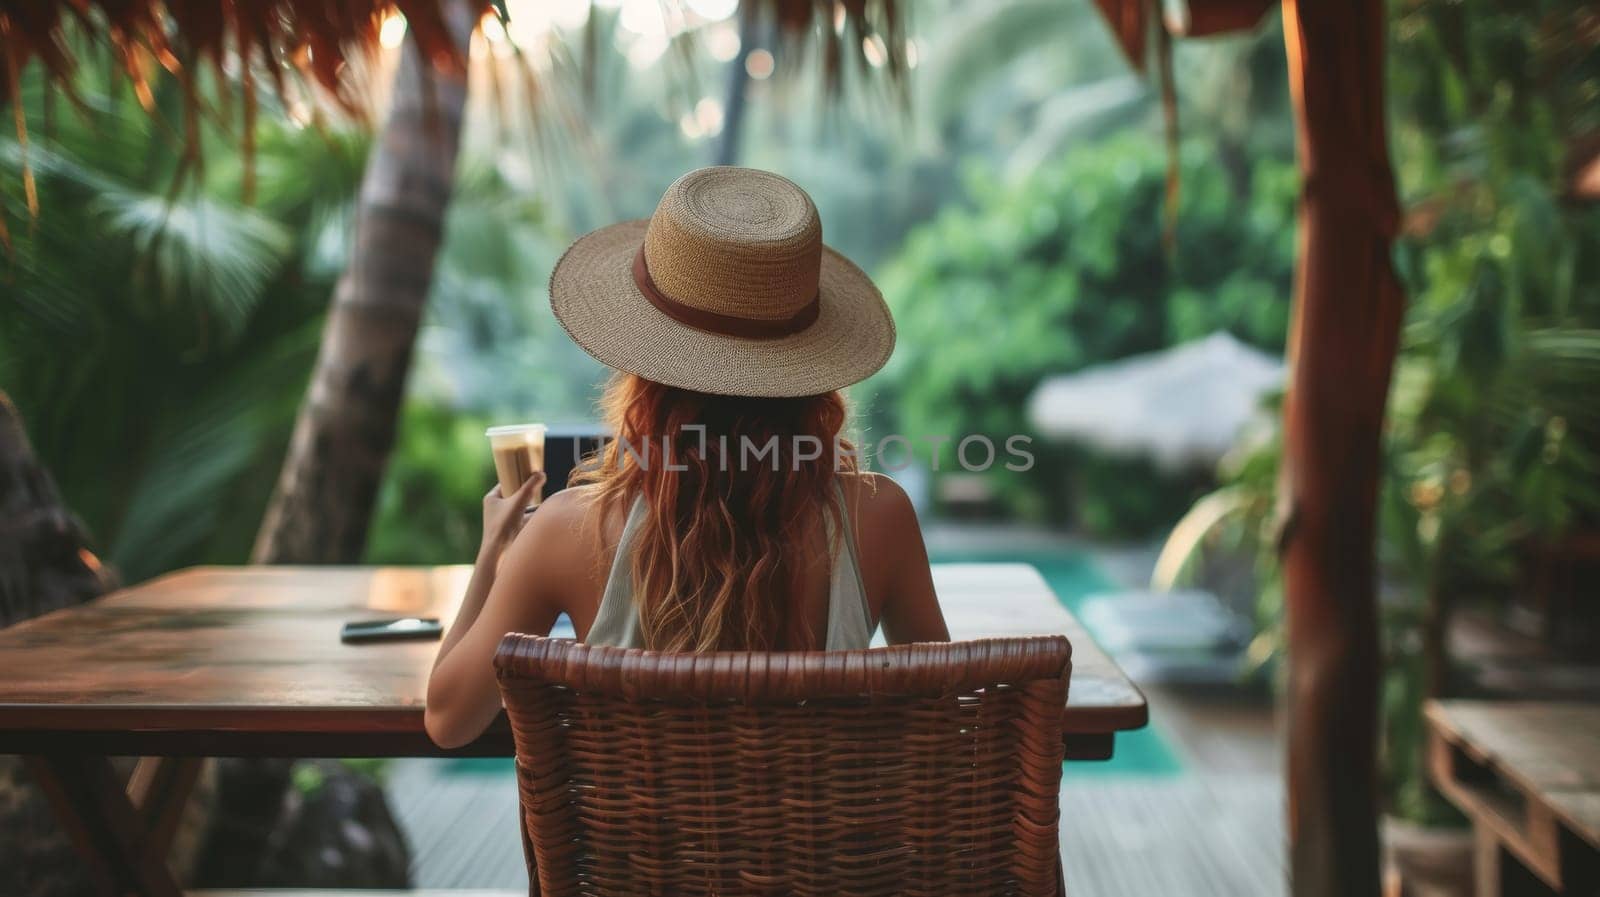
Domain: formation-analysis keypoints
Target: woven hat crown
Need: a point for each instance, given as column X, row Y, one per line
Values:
column 736, row 242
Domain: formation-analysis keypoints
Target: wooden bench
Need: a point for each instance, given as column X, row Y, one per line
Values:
column 1528, row 776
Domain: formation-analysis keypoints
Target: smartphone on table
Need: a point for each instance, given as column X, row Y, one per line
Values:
column 403, row 629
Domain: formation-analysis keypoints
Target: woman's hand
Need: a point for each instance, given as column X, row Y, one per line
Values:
column 503, row 516
column 463, row 694
column 463, row 697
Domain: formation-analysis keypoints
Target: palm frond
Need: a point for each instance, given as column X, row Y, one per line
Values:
column 1553, row 374
column 215, row 258
column 1186, row 544
column 981, row 52
column 1074, row 114
column 181, row 495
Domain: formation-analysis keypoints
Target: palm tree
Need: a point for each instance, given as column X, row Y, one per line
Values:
column 326, row 491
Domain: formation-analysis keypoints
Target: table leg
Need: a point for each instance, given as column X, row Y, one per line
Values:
column 160, row 789
column 92, row 803
column 1090, row 746
column 1499, row 873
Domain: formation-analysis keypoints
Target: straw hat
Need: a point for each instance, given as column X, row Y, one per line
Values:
column 726, row 289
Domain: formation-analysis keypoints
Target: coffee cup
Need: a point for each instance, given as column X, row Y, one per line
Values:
column 518, row 452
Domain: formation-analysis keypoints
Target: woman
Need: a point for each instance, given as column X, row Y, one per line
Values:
column 728, row 514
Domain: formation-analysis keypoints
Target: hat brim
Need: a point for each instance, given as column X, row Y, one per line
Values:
column 595, row 298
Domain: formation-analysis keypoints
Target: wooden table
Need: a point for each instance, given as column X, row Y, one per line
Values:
column 1528, row 776
column 247, row 662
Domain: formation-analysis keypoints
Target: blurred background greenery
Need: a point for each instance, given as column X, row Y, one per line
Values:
column 157, row 341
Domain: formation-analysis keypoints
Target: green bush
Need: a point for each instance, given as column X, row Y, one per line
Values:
column 1066, row 269
column 430, row 509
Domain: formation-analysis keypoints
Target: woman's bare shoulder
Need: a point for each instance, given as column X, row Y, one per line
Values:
column 877, row 501
column 872, row 486
column 559, row 543
column 573, row 501
column 571, row 518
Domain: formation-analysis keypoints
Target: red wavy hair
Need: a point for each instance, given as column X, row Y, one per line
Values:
column 714, row 563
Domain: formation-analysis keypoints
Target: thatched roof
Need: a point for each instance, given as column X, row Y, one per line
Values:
column 243, row 41
column 1133, row 21
column 318, row 38
column 313, row 37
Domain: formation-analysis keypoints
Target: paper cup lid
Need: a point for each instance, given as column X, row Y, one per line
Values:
column 514, row 429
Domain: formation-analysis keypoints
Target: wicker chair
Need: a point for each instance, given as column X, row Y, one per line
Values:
column 929, row 769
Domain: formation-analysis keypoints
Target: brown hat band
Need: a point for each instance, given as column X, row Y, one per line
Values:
column 712, row 322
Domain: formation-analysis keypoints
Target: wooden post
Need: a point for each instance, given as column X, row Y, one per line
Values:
column 1342, row 346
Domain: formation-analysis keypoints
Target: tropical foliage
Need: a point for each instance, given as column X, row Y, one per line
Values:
column 1068, row 267
column 1493, row 439
column 1494, row 436
column 157, row 342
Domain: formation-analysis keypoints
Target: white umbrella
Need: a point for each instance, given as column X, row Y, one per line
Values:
column 1183, row 407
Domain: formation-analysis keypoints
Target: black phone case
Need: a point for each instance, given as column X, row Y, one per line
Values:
column 360, row 633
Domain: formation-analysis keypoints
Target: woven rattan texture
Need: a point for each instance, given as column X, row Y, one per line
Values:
column 736, row 242
column 910, row 770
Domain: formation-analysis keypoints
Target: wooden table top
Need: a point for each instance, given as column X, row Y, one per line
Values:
column 248, row 660
column 1547, row 751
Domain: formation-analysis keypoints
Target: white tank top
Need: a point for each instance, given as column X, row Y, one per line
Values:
column 616, row 623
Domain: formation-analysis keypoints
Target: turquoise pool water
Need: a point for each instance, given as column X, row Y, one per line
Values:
column 1074, row 577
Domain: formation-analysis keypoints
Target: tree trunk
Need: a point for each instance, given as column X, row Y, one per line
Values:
column 45, row 561
column 733, row 110
column 1342, row 346
column 325, row 494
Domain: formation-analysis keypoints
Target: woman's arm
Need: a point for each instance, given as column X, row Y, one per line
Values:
column 911, row 608
column 503, row 518
column 501, row 597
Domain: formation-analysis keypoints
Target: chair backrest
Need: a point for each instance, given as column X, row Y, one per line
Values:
column 928, row 769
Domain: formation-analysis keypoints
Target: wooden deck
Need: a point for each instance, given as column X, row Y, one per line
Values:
column 1195, row 835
